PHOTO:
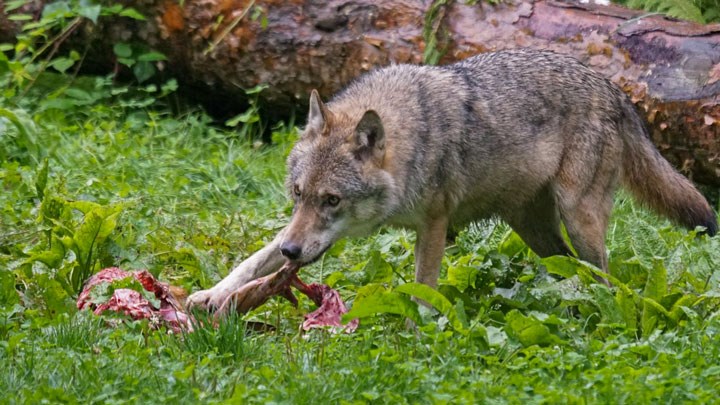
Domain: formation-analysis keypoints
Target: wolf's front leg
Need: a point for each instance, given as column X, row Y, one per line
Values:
column 265, row 261
column 429, row 250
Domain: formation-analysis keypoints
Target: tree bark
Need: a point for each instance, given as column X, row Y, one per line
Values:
column 670, row 68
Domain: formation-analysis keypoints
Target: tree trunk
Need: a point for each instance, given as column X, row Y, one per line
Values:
column 670, row 68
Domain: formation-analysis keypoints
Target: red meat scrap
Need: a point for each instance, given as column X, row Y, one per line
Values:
column 330, row 312
column 257, row 292
column 165, row 310
column 160, row 306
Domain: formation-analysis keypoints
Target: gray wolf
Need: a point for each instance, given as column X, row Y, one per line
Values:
column 531, row 137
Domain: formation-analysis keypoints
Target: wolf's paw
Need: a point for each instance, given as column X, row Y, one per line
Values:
column 210, row 299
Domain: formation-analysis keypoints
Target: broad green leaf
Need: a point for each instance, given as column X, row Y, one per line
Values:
column 660, row 310
column 14, row 5
column 384, row 302
column 143, row 71
column 55, row 9
column 437, row 300
column 496, row 337
column 132, row 13
column 52, row 209
column 626, row 303
column 462, row 277
column 25, row 127
column 4, row 62
column 512, row 245
column 84, row 206
column 333, row 278
column 129, row 62
column 112, row 9
column 20, row 17
column 529, row 330
column 55, row 296
column 677, row 312
column 564, row 266
column 95, row 228
column 656, row 285
column 188, row 258
column 377, row 270
column 368, row 290
column 459, row 309
column 668, row 300
column 122, row 50
column 152, row 56
column 169, row 87
column 248, row 117
column 8, row 294
column 655, row 289
column 652, row 310
column 186, row 373
column 610, row 311
column 52, row 257
column 62, row 103
column 41, row 180
column 80, row 95
column 13, row 342
column 91, row 12
column 62, row 64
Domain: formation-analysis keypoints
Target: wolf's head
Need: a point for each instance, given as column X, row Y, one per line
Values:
column 336, row 179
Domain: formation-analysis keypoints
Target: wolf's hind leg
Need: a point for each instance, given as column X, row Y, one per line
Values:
column 538, row 224
column 586, row 220
column 584, row 186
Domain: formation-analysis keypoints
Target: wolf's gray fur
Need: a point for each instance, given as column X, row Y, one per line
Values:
column 532, row 137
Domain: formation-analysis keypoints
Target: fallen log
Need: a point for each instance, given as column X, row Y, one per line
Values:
column 217, row 48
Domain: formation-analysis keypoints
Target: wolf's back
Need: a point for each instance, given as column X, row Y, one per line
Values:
column 515, row 115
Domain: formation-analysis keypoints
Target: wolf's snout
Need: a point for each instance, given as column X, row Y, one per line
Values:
column 290, row 250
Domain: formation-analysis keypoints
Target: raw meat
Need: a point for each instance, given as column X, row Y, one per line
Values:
column 133, row 303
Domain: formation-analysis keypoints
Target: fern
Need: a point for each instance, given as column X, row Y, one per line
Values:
column 683, row 9
column 711, row 10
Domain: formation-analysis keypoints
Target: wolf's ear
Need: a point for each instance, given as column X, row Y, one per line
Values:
column 319, row 116
column 370, row 137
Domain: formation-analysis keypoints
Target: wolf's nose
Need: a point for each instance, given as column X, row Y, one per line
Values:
column 290, row 250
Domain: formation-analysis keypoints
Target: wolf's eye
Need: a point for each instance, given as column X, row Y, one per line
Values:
column 296, row 190
column 333, row 200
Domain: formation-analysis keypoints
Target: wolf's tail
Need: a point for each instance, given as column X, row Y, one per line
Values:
column 657, row 184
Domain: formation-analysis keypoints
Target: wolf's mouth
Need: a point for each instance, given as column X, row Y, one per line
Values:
column 314, row 259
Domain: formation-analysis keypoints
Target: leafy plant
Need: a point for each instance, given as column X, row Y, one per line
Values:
column 139, row 58
column 251, row 126
column 26, row 133
column 34, row 61
column 701, row 11
column 38, row 44
column 69, row 244
column 433, row 32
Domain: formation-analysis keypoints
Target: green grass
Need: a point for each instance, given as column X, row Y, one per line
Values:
column 194, row 199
